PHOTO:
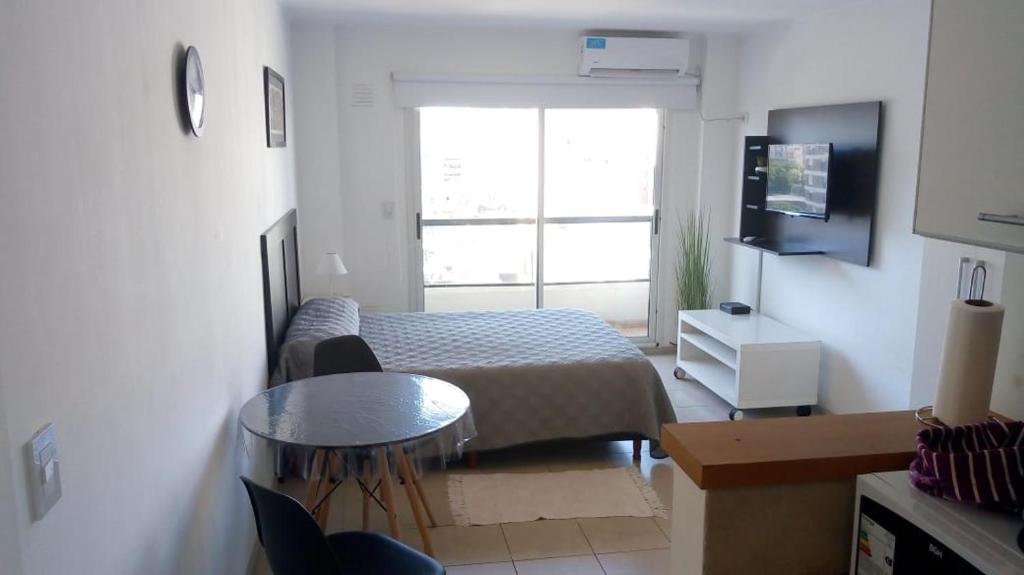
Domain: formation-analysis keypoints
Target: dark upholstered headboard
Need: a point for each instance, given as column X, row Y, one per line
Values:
column 279, row 247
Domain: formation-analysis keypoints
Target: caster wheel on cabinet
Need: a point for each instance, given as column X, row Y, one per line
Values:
column 803, row 411
column 735, row 414
column 679, row 373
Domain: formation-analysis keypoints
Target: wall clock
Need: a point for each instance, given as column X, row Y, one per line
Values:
column 194, row 91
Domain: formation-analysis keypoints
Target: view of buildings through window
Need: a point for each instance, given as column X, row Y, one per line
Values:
column 490, row 176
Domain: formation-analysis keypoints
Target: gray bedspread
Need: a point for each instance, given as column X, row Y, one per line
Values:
column 531, row 375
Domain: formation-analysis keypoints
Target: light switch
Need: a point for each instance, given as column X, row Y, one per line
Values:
column 44, row 469
column 387, row 210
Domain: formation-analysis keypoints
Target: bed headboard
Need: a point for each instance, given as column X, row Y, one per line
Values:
column 279, row 248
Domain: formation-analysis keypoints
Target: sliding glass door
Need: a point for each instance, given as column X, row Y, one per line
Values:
column 526, row 208
column 478, row 226
column 599, row 208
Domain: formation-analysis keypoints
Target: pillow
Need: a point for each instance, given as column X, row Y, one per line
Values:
column 321, row 318
column 317, row 319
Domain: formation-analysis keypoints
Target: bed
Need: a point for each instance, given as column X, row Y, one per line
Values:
column 532, row 375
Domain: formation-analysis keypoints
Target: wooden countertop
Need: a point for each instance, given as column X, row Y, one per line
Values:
column 792, row 449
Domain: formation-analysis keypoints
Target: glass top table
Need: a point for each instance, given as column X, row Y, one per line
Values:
column 355, row 410
column 364, row 421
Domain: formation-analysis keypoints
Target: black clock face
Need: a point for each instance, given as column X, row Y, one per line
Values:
column 195, row 90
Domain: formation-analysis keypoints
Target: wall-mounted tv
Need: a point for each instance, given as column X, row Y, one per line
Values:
column 798, row 179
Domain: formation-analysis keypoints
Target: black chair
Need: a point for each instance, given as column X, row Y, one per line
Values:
column 295, row 545
column 344, row 354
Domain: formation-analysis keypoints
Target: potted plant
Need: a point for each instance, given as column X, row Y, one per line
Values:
column 693, row 265
column 693, row 261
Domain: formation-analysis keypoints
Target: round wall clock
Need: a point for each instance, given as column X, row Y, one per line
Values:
column 194, row 87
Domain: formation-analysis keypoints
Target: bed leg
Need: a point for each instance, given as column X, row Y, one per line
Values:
column 472, row 460
column 638, row 445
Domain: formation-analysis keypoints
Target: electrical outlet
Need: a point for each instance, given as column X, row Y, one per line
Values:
column 962, row 264
column 44, row 471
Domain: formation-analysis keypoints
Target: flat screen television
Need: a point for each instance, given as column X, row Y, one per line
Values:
column 798, row 179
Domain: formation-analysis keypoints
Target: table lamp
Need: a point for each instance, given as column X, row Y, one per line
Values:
column 332, row 266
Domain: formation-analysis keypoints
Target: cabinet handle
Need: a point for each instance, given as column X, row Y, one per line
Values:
column 1012, row 219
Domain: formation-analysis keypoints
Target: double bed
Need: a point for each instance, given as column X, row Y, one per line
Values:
column 531, row 375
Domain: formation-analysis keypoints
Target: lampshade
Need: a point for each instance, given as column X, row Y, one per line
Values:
column 331, row 265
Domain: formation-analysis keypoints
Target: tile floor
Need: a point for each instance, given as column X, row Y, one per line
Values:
column 601, row 546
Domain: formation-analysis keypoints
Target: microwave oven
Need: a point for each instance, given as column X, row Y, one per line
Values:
column 899, row 530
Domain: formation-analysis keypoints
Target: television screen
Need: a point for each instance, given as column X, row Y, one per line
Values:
column 798, row 179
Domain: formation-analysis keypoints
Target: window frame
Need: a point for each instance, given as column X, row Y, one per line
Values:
column 417, row 284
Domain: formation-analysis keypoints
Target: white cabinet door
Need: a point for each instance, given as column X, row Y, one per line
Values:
column 972, row 142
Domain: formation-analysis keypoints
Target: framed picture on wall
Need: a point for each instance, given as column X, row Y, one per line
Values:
column 273, row 99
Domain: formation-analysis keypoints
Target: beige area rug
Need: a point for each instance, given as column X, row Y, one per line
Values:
column 484, row 499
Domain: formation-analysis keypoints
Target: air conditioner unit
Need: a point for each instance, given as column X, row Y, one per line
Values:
column 617, row 57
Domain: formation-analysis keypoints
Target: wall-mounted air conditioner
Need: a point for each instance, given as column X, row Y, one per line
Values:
column 618, row 57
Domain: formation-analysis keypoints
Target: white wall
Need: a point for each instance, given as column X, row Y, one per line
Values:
column 1008, row 391
column 371, row 144
column 720, row 157
column 131, row 297
column 10, row 541
column 866, row 316
column 316, row 140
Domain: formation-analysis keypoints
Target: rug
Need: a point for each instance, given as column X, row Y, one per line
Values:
column 485, row 499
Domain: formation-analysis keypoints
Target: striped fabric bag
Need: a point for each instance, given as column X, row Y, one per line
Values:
column 980, row 464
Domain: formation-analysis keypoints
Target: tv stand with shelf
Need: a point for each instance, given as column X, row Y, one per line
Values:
column 852, row 131
column 779, row 248
column 750, row 361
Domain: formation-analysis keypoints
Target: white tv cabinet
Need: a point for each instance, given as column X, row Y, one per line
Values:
column 750, row 361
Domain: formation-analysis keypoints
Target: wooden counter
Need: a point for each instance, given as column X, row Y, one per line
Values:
column 792, row 449
column 776, row 495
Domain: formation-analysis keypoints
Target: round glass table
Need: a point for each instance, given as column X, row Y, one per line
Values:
column 361, row 421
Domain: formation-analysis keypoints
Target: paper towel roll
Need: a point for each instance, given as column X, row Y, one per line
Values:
column 968, row 362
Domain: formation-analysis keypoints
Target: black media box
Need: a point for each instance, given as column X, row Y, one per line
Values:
column 734, row 308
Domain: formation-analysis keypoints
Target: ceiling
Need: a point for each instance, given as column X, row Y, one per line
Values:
column 662, row 15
